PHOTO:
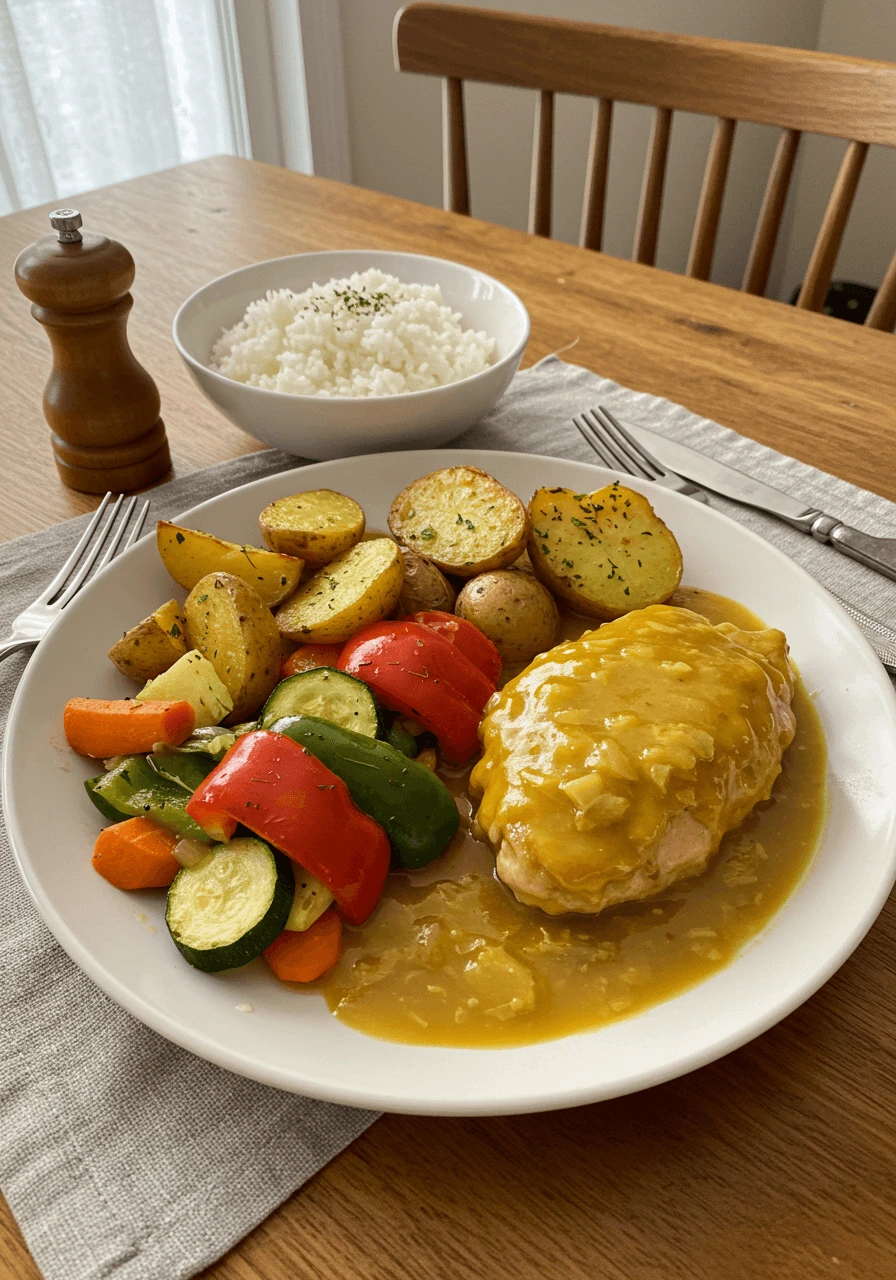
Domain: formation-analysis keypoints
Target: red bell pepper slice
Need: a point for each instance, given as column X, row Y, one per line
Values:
column 277, row 789
column 414, row 670
column 464, row 636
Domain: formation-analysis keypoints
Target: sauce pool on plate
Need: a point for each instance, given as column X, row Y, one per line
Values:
column 449, row 957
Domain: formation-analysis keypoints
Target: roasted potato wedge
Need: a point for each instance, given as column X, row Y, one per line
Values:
column 425, row 586
column 189, row 555
column 604, row 553
column 358, row 587
column 316, row 526
column 462, row 520
column 231, row 626
column 192, row 679
column 514, row 610
column 154, row 645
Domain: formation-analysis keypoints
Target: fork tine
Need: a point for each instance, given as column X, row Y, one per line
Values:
column 91, row 557
column 636, row 446
column 62, row 575
column 112, row 549
column 628, row 458
column 595, row 443
column 138, row 526
column 115, row 546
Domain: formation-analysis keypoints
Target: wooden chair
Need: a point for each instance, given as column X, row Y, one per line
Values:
column 798, row 91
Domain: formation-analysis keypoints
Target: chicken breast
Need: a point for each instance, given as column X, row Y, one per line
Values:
column 614, row 764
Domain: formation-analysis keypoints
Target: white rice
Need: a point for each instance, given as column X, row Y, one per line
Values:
column 367, row 335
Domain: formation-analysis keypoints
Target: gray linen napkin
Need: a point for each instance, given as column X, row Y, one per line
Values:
column 125, row 1157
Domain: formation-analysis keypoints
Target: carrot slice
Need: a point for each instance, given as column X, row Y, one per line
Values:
column 309, row 656
column 136, row 854
column 302, row 957
column 100, row 728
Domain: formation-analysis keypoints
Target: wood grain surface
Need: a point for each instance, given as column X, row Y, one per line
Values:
column 776, row 1163
column 801, row 89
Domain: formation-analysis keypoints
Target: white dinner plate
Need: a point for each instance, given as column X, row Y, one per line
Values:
column 290, row 1039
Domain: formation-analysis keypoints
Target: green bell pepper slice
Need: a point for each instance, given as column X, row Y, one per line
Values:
column 133, row 789
column 411, row 804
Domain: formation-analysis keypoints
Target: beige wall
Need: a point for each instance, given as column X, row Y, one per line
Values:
column 865, row 29
column 395, row 132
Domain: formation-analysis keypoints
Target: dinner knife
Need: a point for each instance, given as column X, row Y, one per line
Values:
column 876, row 553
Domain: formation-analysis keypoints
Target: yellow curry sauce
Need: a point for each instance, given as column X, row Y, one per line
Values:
column 449, row 957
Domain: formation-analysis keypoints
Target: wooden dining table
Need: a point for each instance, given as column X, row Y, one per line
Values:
column 777, row 1162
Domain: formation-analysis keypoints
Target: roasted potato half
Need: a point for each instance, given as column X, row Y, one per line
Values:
column 462, row 520
column 514, row 610
column 189, row 555
column 154, row 645
column 425, row 586
column 231, row 626
column 604, row 553
column 358, row 587
column 316, row 526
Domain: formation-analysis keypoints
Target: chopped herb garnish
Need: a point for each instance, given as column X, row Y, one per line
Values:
column 427, row 534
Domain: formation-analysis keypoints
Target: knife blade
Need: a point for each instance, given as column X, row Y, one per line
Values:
column 877, row 553
column 718, row 476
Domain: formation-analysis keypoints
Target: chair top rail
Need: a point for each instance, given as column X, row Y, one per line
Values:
column 799, row 89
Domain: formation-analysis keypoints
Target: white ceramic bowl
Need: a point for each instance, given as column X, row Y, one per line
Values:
column 336, row 426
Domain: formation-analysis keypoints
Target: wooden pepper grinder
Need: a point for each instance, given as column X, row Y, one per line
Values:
column 102, row 406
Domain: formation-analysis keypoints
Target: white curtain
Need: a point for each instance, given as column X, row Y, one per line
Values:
column 96, row 91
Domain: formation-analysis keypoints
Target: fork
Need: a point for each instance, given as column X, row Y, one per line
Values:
column 619, row 450
column 33, row 623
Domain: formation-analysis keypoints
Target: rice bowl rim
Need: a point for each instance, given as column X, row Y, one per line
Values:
column 404, row 396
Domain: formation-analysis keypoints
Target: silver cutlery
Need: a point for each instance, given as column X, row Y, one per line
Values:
column 100, row 543
column 618, row 448
column 877, row 553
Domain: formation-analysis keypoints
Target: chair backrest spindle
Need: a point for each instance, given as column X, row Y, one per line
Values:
column 797, row 90
column 765, row 238
column 594, row 205
column 706, row 226
column 883, row 309
column 454, row 147
column 827, row 246
column 542, row 185
column 647, row 228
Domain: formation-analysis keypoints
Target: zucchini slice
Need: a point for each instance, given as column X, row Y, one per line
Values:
column 224, row 911
column 328, row 694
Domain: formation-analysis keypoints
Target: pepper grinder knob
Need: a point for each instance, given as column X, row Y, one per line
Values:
column 101, row 404
column 66, row 223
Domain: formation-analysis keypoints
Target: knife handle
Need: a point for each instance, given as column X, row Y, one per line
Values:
column 876, row 553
